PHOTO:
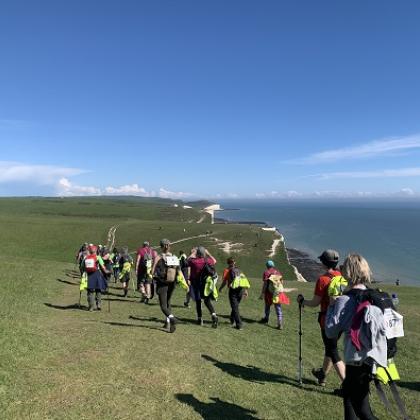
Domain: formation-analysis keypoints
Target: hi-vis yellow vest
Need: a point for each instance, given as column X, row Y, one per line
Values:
column 337, row 286
column 240, row 281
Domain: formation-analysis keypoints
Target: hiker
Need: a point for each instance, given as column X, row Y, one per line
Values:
column 115, row 258
column 106, row 258
column 201, row 264
column 232, row 279
column 329, row 260
column 144, row 263
column 347, row 314
column 81, row 255
column 94, row 267
column 164, row 271
column 269, row 296
column 183, row 263
column 125, row 265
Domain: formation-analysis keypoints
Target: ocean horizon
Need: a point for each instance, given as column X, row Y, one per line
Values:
column 386, row 233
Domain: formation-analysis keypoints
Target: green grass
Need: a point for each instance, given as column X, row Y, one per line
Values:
column 60, row 362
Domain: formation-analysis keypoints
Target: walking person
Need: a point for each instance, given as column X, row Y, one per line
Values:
column 268, row 296
column 125, row 265
column 183, row 263
column 164, row 271
column 201, row 264
column 144, row 264
column 106, row 258
column 329, row 260
column 236, row 292
column 94, row 267
column 361, row 323
column 115, row 258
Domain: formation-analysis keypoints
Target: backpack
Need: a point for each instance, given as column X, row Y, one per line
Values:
column 208, row 271
column 147, row 260
column 393, row 320
column 167, row 268
column 91, row 263
column 275, row 284
column 240, row 280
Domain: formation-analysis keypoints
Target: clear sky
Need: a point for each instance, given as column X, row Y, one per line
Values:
column 237, row 98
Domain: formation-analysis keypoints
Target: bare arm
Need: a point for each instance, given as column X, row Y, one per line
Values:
column 155, row 262
column 210, row 256
column 313, row 303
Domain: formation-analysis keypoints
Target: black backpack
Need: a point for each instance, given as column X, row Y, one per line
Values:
column 208, row 270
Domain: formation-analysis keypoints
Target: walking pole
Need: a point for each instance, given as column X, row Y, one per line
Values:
column 300, row 365
column 80, row 299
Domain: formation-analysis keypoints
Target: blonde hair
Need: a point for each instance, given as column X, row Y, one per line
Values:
column 356, row 270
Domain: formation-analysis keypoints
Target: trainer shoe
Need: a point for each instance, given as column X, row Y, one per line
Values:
column 215, row 321
column 200, row 322
column 172, row 324
column 319, row 375
column 263, row 321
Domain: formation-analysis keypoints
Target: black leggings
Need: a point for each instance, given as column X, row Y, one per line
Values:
column 209, row 305
column 331, row 349
column 235, row 297
column 356, row 393
column 164, row 292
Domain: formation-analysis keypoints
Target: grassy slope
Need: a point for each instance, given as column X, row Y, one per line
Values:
column 60, row 362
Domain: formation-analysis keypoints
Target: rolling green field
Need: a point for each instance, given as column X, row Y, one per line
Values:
column 58, row 361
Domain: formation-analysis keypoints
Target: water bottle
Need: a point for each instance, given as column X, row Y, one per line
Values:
column 395, row 300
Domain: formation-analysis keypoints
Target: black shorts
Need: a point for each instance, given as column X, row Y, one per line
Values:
column 330, row 345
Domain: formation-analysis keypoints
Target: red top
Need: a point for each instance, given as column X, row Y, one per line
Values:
column 141, row 252
column 321, row 290
column 197, row 265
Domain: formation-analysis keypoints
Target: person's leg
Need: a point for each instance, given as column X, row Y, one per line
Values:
column 232, row 305
column 90, row 299
column 331, row 351
column 171, row 288
column 279, row 314
column 98, row 299
column 162, row 292
column 210, row 307
column 234, row 302
column 148, row 289
column 199, row 309
column 356, row 393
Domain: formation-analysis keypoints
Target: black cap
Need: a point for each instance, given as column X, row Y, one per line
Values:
column 329, row 256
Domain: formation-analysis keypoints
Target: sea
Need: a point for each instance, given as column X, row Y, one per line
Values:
column 387, row 234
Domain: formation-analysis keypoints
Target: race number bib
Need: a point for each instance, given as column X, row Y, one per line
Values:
column 394, row 326
column 172, row 261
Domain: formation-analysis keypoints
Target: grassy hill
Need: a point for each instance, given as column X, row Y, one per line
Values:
column 60, row 362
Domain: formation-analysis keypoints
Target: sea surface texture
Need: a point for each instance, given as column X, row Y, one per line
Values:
column 387, row 234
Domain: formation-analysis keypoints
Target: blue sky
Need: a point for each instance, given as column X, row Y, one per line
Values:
column 210, row 98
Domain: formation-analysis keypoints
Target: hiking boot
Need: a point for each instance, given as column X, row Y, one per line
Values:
column 98, row 308
column 280, row 326
column 200, row 322
column 215, row 321
column 146, row 301
column 263, row 321
column 187, row 305
column 239, row 327
column 172, row 325
column 319, row 375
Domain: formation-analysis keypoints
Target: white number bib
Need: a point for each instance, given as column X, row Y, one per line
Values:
column 394, row 325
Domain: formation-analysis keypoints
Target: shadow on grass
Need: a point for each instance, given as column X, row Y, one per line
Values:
column 247, row 320
column 412, row 386
column 257, row 375
column 123, row 324
column 217, row 409
column 118, row 299
column 72, row 283
column 66, row 307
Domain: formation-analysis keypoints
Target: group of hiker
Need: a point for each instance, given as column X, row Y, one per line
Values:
column 159, row 272
column 348, row 306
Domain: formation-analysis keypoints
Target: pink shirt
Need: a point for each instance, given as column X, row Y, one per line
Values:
column 141, row 252
column 197, row 265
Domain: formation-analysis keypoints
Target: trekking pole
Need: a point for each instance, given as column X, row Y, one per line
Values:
column 80, row 299
column 300, row 364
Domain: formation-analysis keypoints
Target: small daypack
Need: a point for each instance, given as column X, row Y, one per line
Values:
column 147, row 260
column 240, row 280
column 337, row 286
column 167, row 268
column 91, row 263
column 275, row 284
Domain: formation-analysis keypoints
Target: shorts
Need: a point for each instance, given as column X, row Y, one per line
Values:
column 330, row 345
